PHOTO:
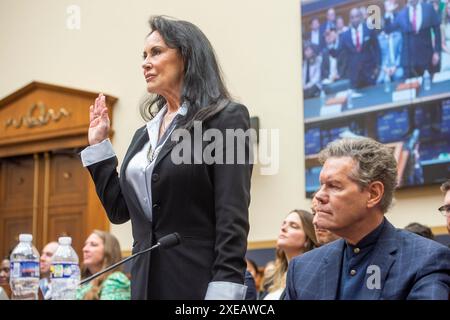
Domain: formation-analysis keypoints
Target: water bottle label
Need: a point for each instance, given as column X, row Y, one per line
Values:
column 64, row 270
column 25, row 269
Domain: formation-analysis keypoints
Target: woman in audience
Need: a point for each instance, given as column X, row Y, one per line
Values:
column 296, row 237
column 101, row 250
column 4, row 276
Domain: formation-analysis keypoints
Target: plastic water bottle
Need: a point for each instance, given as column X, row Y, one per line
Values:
column 24, row 276
column 387, row 83
column 426, row 80
column 323, row 98
column 349, row 99
column 64, row 271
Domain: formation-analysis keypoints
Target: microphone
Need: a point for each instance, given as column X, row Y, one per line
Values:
column 166, row 242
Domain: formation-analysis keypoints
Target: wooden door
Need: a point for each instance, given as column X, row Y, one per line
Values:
column 45, row 194
column 44, row 190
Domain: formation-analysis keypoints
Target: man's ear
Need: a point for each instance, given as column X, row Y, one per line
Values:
column 376, row 191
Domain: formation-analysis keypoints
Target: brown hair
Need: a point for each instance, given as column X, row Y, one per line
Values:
column 445, row 186
column 278, row 278
column 111, row 255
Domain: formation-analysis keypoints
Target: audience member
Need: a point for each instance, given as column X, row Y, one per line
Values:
column 445, row 29
column 373, row 260
column 267, row 278
column 420, row 230
column 333, row 68
column 323, row 236
column 340, row 25
column 417, row 21
column 360, row 46
column 296, row 237
column 4, row 278
column 314, row 36
column 311, row 70
column 445, row 209
column 101, row 250
column 44, row 266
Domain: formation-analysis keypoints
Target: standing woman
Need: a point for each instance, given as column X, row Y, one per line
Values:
column 205, row 202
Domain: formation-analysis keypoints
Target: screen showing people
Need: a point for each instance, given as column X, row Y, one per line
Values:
column 379, row 69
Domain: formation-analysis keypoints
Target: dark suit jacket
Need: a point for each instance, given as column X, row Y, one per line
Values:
column 417, row 48
column 206, row 204
column 411, row 266
column 363, row 65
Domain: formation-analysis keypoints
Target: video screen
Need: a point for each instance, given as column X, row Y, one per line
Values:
column 379, row 69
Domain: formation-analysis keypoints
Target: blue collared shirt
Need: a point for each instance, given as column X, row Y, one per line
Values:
column 355, row 262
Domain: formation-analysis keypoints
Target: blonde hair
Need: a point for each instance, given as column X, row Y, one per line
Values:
column 111, row 255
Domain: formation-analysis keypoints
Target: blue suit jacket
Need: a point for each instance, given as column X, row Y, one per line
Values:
column 417, row 48
column 364, row 64
column 411, row 267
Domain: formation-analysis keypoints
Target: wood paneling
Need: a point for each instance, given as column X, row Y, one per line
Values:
column 44, row 189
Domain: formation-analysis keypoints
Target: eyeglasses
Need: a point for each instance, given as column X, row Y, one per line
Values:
column 445, row 210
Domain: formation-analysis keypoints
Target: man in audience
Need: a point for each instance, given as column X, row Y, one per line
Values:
column 420, row 230
column 333, row 68
column 360, row 47
column 330, row 23
column 416, row 21
column 314, row 36
column 5, row 290
column 373, row 260
column 4, row 272
column 323, row 236
column 44, row 265
column 445, row 209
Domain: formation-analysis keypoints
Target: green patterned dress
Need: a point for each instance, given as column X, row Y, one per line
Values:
column 115, row 287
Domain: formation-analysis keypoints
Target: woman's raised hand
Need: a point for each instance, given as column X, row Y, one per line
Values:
column 99, row 121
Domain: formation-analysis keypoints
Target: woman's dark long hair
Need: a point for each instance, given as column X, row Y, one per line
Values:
column 203, row 87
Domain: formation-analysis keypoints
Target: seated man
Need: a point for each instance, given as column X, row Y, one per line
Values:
column 374, row 260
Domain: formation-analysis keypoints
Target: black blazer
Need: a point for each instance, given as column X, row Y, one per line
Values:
column 206, row 204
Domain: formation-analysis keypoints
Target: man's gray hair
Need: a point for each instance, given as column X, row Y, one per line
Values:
column 374, row 162
column 445, row 186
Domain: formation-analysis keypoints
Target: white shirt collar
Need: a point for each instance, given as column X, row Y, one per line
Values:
column 154, row 124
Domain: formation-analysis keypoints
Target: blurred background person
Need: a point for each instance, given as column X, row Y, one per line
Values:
column 44, row 266
column 332, row 68
column 445, row 29
column 267, row 278
column 4, row 272
column 4, row 276
column 360, row 46
column 252, row 267
column 420, row 229
column 445, row 209
column 314, row 36
column 391, row 53
column 312, row 63
column 340, row 25
column 101, row 250
column 417, row 22
column 330, row 22
column 323, row 236
column 296, row 237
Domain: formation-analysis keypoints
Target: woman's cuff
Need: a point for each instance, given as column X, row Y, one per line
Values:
column 221, row 290
column 97, row 153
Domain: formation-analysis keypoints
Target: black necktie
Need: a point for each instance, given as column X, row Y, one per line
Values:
column 307, row 71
